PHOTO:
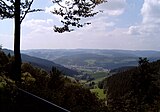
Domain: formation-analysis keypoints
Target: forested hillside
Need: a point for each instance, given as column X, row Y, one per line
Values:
column 135, row 90
column 108, row 59
column 53, row 86
column 43, row 63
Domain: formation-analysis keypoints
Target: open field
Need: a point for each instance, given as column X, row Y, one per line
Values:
column 100, row 93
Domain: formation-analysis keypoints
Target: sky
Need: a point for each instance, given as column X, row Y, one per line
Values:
column 124, row 24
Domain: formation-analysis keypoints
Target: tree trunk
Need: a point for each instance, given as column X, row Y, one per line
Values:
column 17, row 66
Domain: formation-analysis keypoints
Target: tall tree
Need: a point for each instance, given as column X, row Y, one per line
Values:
column 18, row 10
column 71, row 12
column 17, row 30
column 145, row 91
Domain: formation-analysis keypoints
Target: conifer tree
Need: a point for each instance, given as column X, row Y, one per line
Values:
column 144, row 89
column 0, row 47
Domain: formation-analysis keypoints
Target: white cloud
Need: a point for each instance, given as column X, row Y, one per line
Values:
column 6, row 40
column 113, row 7
column 134, row 30
column 107, row 31
column 151, row 11
column 150, row 26
column 36, row 23
column 102, row 33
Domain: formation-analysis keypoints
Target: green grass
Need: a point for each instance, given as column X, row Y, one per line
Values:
column 83, row 81
column 98, row 75
column 99, row 92
column 98, row 80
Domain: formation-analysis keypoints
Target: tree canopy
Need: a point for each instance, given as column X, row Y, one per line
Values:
column 7, row 9
column 73, row 11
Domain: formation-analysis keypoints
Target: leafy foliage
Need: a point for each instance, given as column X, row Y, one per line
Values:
column 73, row 11
column 7, row 93
column 100, row 92
column 3, row 59
column 53, row 86
column 7, row 9
column 135, row 90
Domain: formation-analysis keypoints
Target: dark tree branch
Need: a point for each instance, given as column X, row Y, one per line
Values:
column 73, row 12
column 25, row 13
column 6, row 11
column 28, row 10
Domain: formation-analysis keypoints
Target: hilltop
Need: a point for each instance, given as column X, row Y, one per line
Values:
column 109, row 59
column 43, row 63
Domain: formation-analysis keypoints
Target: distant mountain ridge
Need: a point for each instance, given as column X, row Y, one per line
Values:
column 65, row 52
column 43, row 63
column 110, row 59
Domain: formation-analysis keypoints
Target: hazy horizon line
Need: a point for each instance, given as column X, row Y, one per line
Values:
column 85, row 49
column 90, row 49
